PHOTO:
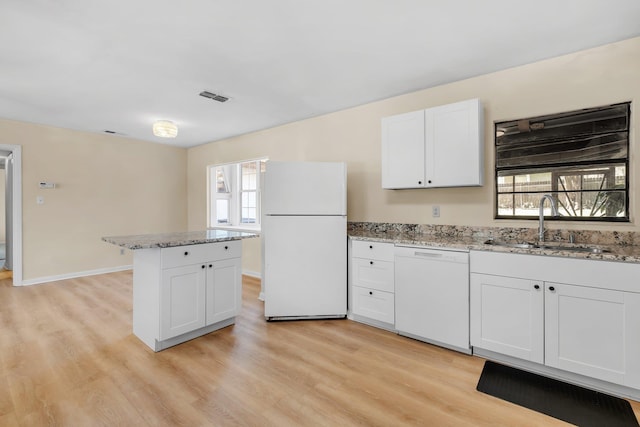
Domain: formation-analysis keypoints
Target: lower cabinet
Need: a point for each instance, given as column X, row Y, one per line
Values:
column 586, row 328
column 373, row 304
column 223, row 290
column 199, row 295
column 593, row 332
column 180, row 293
column 507, row 316
column 371, row 283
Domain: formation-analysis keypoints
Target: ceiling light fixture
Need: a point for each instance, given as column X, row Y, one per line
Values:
column 165, row 129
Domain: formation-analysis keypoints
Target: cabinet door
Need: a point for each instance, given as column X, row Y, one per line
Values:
column 593, row 332
column 454, row 145
column 403, row 150
column 182, row 300
column 224, row 290
column 507, row 316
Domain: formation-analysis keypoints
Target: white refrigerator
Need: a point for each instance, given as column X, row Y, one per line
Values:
column 304, row 236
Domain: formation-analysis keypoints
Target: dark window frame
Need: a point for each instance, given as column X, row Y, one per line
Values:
column 559, row 168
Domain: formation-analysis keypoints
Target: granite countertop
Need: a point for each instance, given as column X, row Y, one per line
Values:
column 167, row 240
column 612, row 252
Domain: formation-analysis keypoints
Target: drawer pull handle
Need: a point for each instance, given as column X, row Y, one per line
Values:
column 210, row 265
column 203, row 266
column 552, row 289
column 370, row 292
column 226, row 247
column 428, row 254
column 536, row 286
column 371, row 262
column 370, row 246
column 186, row 253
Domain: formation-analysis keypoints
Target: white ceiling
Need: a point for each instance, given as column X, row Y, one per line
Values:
column 97, row 65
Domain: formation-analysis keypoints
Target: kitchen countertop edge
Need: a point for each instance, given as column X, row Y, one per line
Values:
column 619, row 253
column 169, row 240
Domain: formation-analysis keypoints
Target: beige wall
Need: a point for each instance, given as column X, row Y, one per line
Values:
column 594, row 77
column 107, row 185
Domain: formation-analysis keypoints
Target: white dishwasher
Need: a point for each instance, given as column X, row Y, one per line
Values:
column 432, row 296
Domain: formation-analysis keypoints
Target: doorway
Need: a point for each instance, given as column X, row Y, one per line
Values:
column 11, row 215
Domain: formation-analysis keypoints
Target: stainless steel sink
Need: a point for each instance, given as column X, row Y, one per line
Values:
column 551, row 247
column 590, row 249
column 524, row 245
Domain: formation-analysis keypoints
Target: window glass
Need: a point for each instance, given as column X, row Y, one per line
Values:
column 222, row 211
column 234, row 193
column 580, row 157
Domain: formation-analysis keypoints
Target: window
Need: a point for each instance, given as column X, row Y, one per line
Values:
column 579, row 157
column 234, row 194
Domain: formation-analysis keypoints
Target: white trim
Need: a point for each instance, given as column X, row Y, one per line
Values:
column 252, row 274
column 236, row 228
column 48, row 279
column 17, row 211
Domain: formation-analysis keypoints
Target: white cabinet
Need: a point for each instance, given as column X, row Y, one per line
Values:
column 437, row 147
column 182, row 292
column 403, row 151
column 578, row 316
column 507, row 317
column 593, row 332
column 371, row 286
column 223, row 290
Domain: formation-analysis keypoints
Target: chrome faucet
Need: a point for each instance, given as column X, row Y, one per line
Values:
column 554, row 212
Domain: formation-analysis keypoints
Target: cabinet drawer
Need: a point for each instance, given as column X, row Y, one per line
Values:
column 194, row 254
column 374, row 304
column 372, row 250
column 374, row 274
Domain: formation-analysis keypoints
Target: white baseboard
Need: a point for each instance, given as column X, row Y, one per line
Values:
column 252, row 274
column 48, row 279
column 257, row 276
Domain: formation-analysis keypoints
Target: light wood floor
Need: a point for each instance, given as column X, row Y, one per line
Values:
column 68, row 358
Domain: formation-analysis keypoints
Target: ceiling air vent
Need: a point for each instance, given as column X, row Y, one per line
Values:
column 214, row 96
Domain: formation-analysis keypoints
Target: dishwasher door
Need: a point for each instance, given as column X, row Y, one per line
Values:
column 432, row 296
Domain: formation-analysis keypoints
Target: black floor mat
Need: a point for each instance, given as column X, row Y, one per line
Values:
column 566, row 402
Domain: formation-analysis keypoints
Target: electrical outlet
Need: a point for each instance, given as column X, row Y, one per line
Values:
column 121, row 251
column 435, row 211
column 40, row 200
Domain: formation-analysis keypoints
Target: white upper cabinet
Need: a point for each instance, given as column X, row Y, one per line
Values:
column 403, row 150
column 437, row 147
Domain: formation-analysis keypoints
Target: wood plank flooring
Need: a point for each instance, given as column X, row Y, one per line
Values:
column 68, row 358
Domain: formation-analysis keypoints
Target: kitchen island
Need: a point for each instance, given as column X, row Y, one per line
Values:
column 185, row 285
